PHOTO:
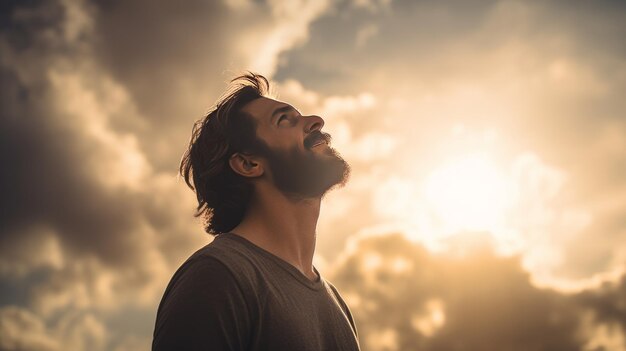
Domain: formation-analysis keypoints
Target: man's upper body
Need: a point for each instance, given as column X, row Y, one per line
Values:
column 259, row 169
column 233, row 295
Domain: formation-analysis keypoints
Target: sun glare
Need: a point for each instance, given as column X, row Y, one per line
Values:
column 467, row 194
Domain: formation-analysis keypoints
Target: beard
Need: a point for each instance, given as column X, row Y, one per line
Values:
column 308, row 174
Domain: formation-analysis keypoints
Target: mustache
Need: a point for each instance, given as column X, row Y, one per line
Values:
column 315, row 137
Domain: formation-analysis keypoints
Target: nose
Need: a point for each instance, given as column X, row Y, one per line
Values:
column 313, row 123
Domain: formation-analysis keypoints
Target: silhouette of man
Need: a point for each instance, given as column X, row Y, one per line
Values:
column 259, row 170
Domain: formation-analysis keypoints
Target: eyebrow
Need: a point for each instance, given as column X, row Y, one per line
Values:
column 280, row 110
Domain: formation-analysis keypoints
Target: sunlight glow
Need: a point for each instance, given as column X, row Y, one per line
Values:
column 468, row 194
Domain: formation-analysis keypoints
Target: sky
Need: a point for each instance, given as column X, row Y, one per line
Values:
column 486, row 208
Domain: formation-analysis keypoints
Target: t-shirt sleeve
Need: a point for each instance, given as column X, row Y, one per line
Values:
column 204, row 308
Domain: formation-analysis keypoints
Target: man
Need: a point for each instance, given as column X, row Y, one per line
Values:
column 259, row 170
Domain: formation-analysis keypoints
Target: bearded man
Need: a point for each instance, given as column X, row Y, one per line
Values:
column 259, row 170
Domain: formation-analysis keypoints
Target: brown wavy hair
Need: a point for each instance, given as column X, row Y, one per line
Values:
column 222, row 194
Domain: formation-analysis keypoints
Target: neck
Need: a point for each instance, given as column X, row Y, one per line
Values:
column 283, row 226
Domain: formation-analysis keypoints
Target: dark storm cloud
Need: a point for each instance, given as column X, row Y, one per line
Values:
column 45, row 180
column 488, row 302
column 98, row 100
column 173, row 58
column 75, row 236
column 58, row 156
column 154, row 48
column 608, row 303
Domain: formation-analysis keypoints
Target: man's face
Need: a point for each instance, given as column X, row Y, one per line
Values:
column 301, row 161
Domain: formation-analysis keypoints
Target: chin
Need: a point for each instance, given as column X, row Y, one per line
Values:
column 309, row 175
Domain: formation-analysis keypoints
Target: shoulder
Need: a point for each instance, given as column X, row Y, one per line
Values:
column 203, row 297
column 215, row 267
column 214, row 276
column 225, row 265
column 333, row 290
column 344, row 306
column 199, row 279
column 237, row 259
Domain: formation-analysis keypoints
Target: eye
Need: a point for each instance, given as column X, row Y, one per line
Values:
column 281, row 118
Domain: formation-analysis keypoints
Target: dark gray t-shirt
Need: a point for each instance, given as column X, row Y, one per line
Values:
column 233, row 295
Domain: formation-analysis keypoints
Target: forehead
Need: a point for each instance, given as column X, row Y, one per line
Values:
column 262, row 108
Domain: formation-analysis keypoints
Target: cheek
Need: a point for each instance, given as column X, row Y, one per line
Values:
column 288, row 141
column 284, row 138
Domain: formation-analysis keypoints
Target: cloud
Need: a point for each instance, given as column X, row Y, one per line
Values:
column 364, row 34
column 93, row 102
column 604, row 316
column 405, row 298
column 292, row 19
column 89, row 224
column 372, row 5
column 372, row 146
column 526, row 74
column 97, row 103
column 23, row 330
column 177, row 60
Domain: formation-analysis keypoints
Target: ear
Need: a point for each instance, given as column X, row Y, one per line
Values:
column 245, row 165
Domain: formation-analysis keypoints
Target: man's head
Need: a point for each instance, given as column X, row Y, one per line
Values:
column 250, row 138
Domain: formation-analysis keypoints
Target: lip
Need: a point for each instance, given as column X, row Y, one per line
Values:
column 316, row 139
column 318, row 143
